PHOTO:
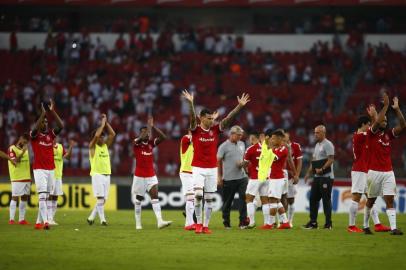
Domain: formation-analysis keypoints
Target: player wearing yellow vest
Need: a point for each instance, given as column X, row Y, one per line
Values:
column 186, row 177
column 56, row 190
column 20, row 177
column 100, row 168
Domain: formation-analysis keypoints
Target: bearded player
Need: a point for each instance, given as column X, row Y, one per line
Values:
column 205, row 137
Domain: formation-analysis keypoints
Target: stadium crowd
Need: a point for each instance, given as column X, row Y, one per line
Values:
column 141, row 76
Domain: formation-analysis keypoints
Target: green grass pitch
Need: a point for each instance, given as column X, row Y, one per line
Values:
column 76, row 245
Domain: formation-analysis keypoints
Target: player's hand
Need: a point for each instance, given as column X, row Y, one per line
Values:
column 319, row 171
column 395, row 105
column 51, row 105
column 103, row 119
column 220, row 181
column 43, row 110
column 371, row 110
column 385, row 99
column 244, row 99
column 215, row 115
column 13, row 161
column 188, row 96
column 150, row 121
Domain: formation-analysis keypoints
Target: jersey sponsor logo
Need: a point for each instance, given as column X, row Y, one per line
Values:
column 45, row 143
column 146, row 153
column 206, row 140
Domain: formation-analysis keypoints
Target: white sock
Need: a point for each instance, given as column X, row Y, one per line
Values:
column 157, row 210
column 21, row 210
column 100, row 209
column 93, row 213
column 13, row 208
column 42, row 205
column 208, row 208
column 39, row 219
column 272, row 219
column 54, row 207
column 391, row 212
column 198, row 211
column 49, row 210
column 353, row 213
column 189, row 209
column 251, row 212
column 265, row 212
column 367, row 214
column 137, row 210
column 375, row 215
column 280, row 218
column 283, row 218
column 291, row 212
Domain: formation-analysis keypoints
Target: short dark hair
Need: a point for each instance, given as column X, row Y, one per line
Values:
column 255, row 134
column 205, row 112
column 279, row 133
column 362, row 120
column 141, row 128
column 268, row 132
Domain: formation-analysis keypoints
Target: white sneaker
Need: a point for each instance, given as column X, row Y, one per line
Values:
column 138, row 227
column 164, row 224
column 53, row 223
column 251, row 226
column 291, row 224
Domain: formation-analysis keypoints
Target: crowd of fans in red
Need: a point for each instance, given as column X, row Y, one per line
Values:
column 140, row 76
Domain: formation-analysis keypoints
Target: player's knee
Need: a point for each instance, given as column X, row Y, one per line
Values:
column 190, row 197
column 24, row 198
column 42, row 196
column 199, row 194
column 280, row 205
column 14, row 198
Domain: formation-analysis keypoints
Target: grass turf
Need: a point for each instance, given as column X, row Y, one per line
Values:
column 76, row 245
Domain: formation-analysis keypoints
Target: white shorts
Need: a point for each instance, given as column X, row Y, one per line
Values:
column 358, row 182
column 101, row 185
column 20, row 188
column 187, row 183
column 256, row 187
column 276, row 187
column 291, row 189
column 44, row 179
column 381, row 183
column 57, row 188
column 205, row 178
column 142, row 184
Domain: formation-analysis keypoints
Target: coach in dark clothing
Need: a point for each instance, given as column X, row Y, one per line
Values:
column 231, row 175
column 321, row 168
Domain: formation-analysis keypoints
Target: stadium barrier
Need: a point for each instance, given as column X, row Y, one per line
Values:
column 79, row 197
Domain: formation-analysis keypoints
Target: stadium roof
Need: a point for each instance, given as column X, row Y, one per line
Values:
column 209, row 3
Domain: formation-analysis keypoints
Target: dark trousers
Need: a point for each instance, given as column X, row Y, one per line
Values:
column 321, row 189
column 229, row 189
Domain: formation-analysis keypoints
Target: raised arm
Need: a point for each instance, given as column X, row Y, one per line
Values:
column 96, row 136
column 161, row 135
column 193, row 119
column 68, row 153
column 372, row 113
column 39, row 121
column 242, row 101
column 18, row 158
column 382, row 113
column 111, row 134
column 58, row 120
column 402, row 122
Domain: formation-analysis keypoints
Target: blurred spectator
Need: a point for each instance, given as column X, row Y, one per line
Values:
column 13, row 42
